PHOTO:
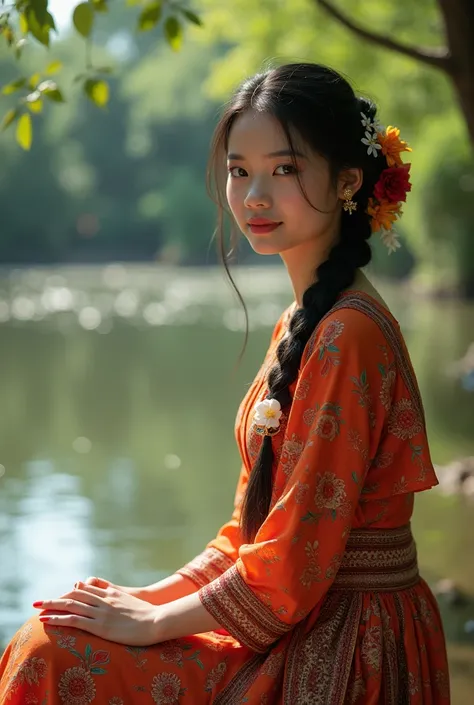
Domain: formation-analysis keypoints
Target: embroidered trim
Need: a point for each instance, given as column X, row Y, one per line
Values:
column 206, row 567
column 378, row 559
column 235, row 691
column 233, row 604
column 319, row 661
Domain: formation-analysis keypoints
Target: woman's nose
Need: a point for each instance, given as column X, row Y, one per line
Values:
column 257, row 197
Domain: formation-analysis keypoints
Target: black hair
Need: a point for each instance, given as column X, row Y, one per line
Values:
column 320, row 106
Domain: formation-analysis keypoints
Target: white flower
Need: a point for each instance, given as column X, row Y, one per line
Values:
column 366, row 121
column 372, row 143
column 390, row 240
column 378, row 127
column 267, row 413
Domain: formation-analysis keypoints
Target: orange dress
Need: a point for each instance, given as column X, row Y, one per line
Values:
column 326, row 606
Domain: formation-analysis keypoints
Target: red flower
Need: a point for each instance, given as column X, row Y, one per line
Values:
column 393, row 184
column 100, row 657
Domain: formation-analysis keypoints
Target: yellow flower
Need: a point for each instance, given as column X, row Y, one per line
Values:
column 392, row 145
column 384, row 214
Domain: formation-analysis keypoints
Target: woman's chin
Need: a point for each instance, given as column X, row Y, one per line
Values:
column 263, row 246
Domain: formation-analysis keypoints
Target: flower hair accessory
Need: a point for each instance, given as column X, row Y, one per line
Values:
column 267, row 417
column 394, row 182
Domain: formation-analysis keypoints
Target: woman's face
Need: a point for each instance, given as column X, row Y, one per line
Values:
column 265, row 195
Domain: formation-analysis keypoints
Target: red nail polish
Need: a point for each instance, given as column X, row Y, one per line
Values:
column 37, row 604
column 43, row 619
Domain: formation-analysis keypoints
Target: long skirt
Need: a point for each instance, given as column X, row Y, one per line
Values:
column 377, row 638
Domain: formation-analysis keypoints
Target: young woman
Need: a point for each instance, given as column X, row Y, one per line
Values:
column 311, row 593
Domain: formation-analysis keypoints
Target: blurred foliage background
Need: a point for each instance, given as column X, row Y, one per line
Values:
column 128, row 182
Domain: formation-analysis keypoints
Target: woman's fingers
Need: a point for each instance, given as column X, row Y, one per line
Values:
column 92, row 590
column 98, row 582
column 71, row 620
column 68, row 606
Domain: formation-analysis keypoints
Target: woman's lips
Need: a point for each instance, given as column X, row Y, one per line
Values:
column 260, row 226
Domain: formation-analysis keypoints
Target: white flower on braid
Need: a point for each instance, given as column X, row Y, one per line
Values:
column 390, row 240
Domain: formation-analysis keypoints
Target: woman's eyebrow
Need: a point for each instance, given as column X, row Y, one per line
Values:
column 272, row 155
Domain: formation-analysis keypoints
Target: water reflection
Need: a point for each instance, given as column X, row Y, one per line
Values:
column 119, row 397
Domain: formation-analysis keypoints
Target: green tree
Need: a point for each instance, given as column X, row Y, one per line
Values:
column 438, row 35
column 25, row 20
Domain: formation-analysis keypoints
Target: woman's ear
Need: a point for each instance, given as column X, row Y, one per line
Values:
column 349, row 179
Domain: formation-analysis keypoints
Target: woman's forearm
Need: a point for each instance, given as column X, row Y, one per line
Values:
column 168, row 590
column 184, row 617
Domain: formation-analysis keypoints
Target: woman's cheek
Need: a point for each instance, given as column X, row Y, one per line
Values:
column 235, row 202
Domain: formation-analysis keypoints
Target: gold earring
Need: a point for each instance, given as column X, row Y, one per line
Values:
column 349, row 204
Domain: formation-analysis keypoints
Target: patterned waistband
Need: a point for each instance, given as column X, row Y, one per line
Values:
column 379, row 560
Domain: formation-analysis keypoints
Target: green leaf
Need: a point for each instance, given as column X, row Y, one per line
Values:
column 382, row 369
column 75, row 653
column 54, row 67
column 24, row 131
column 14, row 86
column 35, row 106
column 24, row 28
column 50, row 90
column 150, row 16
column 309, row 516
column 98, row 671
column 200, row 664
column 83, row 19
column 100, row 5
column 33, row 80
column 333, row 514
column 97, row 91
column 8, row 34
column 88, row 651
column 9, row 118
column 174, row 33
column 333, row 348
column 34, row 102
column 39, row 32
column 364, row 377
column 50, row 21
column 192, row 17
column 355, row 477
column 40, row 8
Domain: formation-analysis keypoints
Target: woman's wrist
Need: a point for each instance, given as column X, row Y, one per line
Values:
column 168, row 590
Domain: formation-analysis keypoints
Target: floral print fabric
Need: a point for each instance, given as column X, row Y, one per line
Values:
column 296, row 626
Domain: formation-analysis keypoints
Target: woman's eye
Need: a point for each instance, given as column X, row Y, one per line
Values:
column 286, row 170
column 237, row 171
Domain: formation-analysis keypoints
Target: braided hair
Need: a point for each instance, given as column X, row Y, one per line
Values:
column 322, row 108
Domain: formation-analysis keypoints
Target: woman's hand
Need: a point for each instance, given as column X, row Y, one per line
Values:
column 103, row 583
column 105, row 612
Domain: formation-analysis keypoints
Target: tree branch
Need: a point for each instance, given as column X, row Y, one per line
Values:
column 439, row 58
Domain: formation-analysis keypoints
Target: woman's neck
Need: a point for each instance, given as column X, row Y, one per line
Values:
column 302, row 263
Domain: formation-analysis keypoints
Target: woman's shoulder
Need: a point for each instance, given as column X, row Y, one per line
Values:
column 356, row 322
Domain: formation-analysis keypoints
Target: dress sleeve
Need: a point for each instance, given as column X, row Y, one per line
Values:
column 222, row 552
column 332, row 433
